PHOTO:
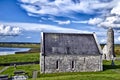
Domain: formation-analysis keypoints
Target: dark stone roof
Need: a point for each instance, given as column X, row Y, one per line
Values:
column 69, row 43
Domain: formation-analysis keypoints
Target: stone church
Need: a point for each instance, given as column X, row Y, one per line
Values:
column 69, row 52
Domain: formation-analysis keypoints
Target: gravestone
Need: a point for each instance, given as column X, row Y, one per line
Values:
column 19, row 75
column 34, row 75
column 3, row 77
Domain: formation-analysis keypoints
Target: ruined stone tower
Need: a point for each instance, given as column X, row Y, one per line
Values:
column 110, row 44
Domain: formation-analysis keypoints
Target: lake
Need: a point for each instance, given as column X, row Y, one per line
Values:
column 7, row 50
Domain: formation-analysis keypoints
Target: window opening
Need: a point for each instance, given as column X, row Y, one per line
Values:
column 72, row 66
column 57, row 64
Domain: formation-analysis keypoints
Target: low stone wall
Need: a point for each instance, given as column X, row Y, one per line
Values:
column 18, row 63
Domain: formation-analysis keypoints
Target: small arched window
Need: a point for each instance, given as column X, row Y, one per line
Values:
column 72, row 64
column 84, row 60
column 57, row 64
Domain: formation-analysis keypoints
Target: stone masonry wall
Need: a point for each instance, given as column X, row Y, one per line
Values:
column 70, row 63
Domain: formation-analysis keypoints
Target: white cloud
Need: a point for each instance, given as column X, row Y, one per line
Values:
column 119, row 38
column 44, row 27
column 84, row 22
column 112, row 18
column 95, row 21
column 43, row 18
column 116, row 9
column 110, row 21
column 109, row 11
column 9, row 31
column 64, row 7
column 92, row 21
column 31, row 1
column 109, row 18
column 103, row 41
column 30, row 14
column 63, row 22
column 28, row 37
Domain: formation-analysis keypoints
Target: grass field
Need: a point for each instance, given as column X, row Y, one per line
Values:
column 20, row 58
column 81, row 76
column 109, row 73
column 27, row 68
column 117, row 50
column 1, row 67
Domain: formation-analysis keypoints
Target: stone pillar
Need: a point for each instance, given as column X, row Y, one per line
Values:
column 110, row 44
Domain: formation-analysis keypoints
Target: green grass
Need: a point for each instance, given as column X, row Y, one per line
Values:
column 19, row 58
column 1, row 67
column 109, row 73
column 27, row 68
column 83, row 77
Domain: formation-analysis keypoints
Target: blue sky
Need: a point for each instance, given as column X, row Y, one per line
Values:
column 23, row 20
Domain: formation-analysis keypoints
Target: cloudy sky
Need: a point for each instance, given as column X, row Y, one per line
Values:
column 23, row 20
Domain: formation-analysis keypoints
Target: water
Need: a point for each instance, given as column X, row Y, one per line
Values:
column 7, row 50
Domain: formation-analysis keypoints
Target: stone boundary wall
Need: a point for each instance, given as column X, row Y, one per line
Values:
column 18, row 63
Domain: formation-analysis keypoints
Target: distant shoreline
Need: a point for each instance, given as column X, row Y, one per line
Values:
column 19, row 45
column 10, row 50
column 20, row 42
column 34, row 47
